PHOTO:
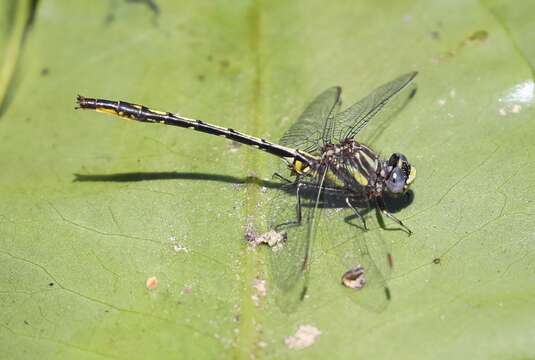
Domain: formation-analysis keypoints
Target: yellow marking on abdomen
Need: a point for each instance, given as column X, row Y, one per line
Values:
column 105, row 110
column 300, row 168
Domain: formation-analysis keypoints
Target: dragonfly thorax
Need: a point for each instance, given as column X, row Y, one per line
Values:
column 356, row 168
column 349, row 165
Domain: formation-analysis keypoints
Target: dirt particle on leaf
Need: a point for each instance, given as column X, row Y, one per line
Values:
column 261, row 290
column 152, row 283
column 516, row 108
column 354, row 278
column 180, row 248
column 272, row 238
column 476, row 37
column 479, row 35
column 187, row 289
column 510, row 109
column 305, row 336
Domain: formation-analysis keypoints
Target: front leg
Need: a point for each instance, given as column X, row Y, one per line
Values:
column 382, row 207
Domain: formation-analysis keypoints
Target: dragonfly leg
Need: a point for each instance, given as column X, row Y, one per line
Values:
column 298, row 205
column 381, row 205
column 357, row 213
column 298, row 216
column 280, row 177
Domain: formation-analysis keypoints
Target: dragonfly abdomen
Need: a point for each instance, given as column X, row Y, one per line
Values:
column 142, row 113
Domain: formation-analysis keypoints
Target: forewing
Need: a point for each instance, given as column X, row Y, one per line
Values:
column 307, row 132
column 349, row 122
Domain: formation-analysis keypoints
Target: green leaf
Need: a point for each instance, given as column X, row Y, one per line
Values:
column 13, row 22
column 93, row 208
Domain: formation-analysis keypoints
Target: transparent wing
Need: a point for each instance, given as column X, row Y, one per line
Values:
column 342, row 244
column 307, row 132
column 349, row 247
column 349, row 122
column 290, row 265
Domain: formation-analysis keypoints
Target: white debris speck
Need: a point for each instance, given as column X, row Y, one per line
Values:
column 177, row 247
column 272, row 238
column 260, row 286
column 305, row 336
column 452, row 93
column 510, row 109
column 516, row 108
column 441, row 102
column 261, row 290
column 180, row 248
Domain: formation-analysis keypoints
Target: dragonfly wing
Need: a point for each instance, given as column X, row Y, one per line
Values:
column 290, row 265
column 307, row 133
column 349, row 122
column 347, row 247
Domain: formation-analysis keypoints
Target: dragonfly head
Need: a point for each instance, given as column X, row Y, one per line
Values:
column 400, row 174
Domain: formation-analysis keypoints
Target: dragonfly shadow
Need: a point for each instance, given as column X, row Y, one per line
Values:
column 393, row 204
column 173, row 175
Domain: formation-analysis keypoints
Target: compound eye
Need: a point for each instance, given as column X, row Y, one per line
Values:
column 396, row 181
column 393, row 161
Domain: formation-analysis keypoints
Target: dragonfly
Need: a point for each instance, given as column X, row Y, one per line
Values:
column 328, row 167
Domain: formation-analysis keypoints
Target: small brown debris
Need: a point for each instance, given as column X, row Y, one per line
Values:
column 152, row 283
column 479, row 35
column 354, row 278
